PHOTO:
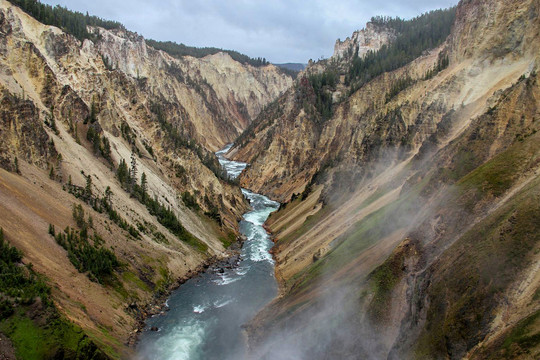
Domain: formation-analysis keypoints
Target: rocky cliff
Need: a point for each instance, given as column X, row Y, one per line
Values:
column 412, row 217
column 371, row 38
column 216, row 95
column 112, row 141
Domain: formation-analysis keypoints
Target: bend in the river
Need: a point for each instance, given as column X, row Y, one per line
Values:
column 206, row 314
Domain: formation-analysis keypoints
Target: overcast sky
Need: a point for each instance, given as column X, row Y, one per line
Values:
column 279, row 30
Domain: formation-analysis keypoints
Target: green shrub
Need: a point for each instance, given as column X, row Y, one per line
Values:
column 47, row 335
column 190, row 201
column 94, row 258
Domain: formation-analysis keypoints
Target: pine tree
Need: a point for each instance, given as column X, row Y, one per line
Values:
column 88, row 187
column 144, row 186
column 133, row 170
column 108, row 194
column 122, row 173
column 92, row 117
column 105, row 148
column 17, row 166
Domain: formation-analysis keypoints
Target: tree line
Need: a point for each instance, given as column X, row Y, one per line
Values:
column 86, row 252
column 75, row 23
column 127, row 176
column 72, row 22
column 323, row 85
column 414, row 36
column 179, row 50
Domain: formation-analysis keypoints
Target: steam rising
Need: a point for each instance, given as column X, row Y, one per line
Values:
column 333, row 317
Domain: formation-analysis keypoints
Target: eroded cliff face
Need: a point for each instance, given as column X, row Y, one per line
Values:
column 217, row 97
column 288, row 143
column 71, row 113
column 371, row 38
column 405, row 244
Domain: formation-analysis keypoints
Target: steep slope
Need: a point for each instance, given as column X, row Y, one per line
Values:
column 112, row 141
column 215, row 97
column 413, row 220
column 317, row 124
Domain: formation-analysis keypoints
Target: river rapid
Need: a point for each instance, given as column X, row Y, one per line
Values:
column 205, row 315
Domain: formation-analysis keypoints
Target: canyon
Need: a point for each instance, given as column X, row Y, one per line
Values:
column 409, row 186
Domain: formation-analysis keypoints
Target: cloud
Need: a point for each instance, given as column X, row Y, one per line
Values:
column 279, row 30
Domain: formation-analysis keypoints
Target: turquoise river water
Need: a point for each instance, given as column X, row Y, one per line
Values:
column 205, row 315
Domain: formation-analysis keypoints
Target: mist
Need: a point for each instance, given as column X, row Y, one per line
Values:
column 346, row 312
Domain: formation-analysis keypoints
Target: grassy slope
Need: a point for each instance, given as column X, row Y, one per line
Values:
column 475, row 273
column 48, row 336
column 469, row 279
column 472, row 276
column 520, row 341
column 30, row 319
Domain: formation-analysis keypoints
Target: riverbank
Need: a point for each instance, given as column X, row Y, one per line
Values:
column 159, row 304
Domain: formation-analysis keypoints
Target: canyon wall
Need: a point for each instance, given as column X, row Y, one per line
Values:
column 411, row 215
column 126, row 134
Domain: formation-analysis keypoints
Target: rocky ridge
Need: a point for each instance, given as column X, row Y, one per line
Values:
column 202, row 87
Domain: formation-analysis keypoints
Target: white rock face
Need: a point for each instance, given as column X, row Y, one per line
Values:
column 372, row 37
column 124, row 50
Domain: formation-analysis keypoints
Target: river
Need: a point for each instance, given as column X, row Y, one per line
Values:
column 205, row 315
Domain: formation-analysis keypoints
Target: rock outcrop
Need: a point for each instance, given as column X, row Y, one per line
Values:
column 371, row 38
